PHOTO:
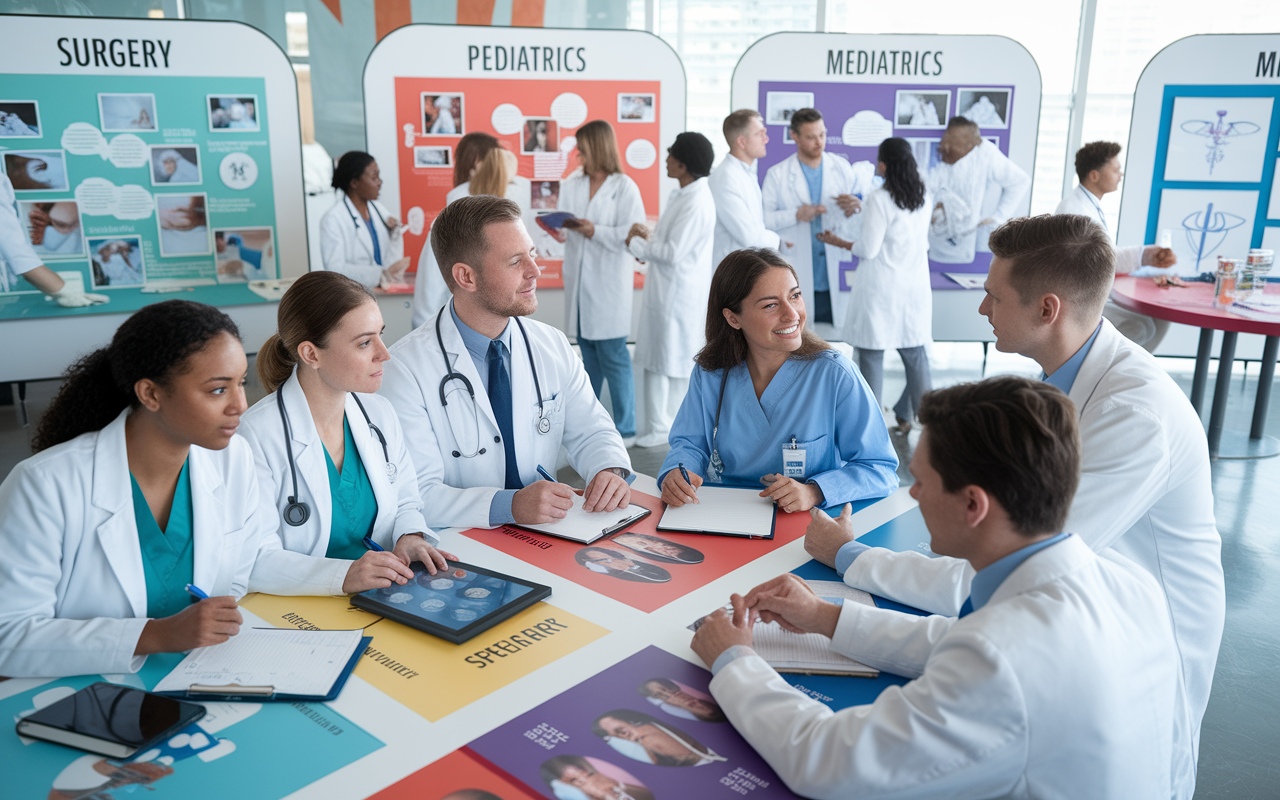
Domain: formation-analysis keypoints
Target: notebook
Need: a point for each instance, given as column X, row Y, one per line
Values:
column 584, row 527
column 269, row 664
column 110, row 720
column 723, row 511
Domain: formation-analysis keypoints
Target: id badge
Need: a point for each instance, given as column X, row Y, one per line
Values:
column 793, row 461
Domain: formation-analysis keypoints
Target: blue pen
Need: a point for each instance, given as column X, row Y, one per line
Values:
column 684, row 473
column 196, row 592
column 545, row 474
column 372, row 545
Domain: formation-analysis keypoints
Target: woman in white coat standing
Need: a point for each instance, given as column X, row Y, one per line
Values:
column 678, row 252
column 890, row 299
column 333, row 470
column 358, row 238
column 138, row 488
column 598, row 269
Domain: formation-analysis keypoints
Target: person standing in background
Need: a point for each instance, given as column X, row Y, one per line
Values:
column 679, row 279
column 352, row 242
column 598, row 270
column 735, row 189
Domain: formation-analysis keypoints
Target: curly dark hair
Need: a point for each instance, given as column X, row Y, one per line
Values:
column 154, row 343
column 901, row 176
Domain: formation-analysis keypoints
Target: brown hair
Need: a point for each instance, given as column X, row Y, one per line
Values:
column 470, row 150
column 601, row 154
column 733, row 283
column 1094, row 155
column 492, row 175
column 309, row 311
column 1015, row 438
column 1064, row 254
column 804, row 116
column 736, row 124
column 458, row 235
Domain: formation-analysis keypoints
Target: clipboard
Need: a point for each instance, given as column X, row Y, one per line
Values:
column 722, row 511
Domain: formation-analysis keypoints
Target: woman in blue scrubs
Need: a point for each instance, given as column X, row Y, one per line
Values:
column 766, row 390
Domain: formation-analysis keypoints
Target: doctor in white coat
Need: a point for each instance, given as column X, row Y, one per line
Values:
column 486, row 398
column 358, row 238
column 736, row 190
column 678, row 252
column 804, row 195
column 139, row 487
column 990, row 710
column 333, row 469
column 1145, row 489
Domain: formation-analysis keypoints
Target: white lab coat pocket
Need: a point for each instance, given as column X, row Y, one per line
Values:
column 553, row 411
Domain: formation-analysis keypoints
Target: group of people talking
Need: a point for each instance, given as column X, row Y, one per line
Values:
column 1077, row 597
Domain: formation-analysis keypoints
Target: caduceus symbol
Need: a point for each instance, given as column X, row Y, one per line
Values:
column 1207, row 230
column 1219, row 133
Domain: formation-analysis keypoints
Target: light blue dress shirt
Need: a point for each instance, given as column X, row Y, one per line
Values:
column 822, row 402
column 813, row 177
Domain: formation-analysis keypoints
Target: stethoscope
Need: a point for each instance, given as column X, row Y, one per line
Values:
column 1098, row 207
column 355, row 220
column 544, row 424
column 297, row 512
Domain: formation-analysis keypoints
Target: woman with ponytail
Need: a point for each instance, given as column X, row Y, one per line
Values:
column 336, row 479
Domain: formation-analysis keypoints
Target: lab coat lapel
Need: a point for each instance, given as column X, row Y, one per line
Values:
column 1044, row 567
column 799, row 184
column 362, row 228
column 113, row 494
column 1095, row 366
column 308, row 454
column 375, row 465
column 209, row 515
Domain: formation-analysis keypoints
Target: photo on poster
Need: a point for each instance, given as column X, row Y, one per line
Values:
column 1207, row 223
column 19, row 119
column 659, row 549
column 989, row 108
column 620, row 564
column 117, row 262
column 926, row 153
column 245, row 254
column 442, row 114
column 918, row 108
column 786, row 135
column 175, row 165
column 1219, row 139
column 540, row 135
column 779, row 106
column 570, row 776
column 127, row 113
column 681, row 700
column 544, row 194
column 53, row 229
column 184, row 225
column 232, row 113
column 37, row 170
column 433, row 156
column 636, row 108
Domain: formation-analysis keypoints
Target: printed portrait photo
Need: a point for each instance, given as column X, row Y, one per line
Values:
column 127, row 113
column 234, row 113
column 117, row 262
column 442, row 114
column 540, row 136
column 19, row 119
column 175, row 165
column 649, row 740
column 680, row 700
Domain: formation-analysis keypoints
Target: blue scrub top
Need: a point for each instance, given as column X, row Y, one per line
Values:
column 813, row 178
column 168, row 556
column 354, row 506
column 823, row 402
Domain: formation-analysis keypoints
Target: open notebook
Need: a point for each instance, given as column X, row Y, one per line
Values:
column 580, row 526
column 723, row 511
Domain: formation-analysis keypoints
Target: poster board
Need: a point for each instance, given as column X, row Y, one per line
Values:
column 873, row 86
column 425, row 86
column 1203, row 147
column 145, row 170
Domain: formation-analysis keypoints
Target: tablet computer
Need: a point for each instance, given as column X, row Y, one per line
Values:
column 456, row 603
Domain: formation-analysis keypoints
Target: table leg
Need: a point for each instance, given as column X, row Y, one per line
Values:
column 1221, row 388
column 1203, row 353
column 1266, row 376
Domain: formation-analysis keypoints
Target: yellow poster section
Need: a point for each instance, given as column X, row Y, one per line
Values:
column 410, row 666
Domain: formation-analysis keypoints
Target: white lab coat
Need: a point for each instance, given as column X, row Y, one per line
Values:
column 457, row 490
column 1145, row 493
column 75, row 598
column 1061, row 686
column 984, row 184
column 739, row 210
column 674, row 310
column 399, row 505
column 16, row 255
column 599, row 281
column 890, row 298
column 345, row 245
column 1081, row 201
column 785, row 190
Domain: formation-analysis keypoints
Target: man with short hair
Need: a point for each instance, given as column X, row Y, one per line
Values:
column 736, row 191
column 963, row 209
column 1058, row 680
column 799, row 192
column 487, row 399
column 1098, row 167
column 1145, row 488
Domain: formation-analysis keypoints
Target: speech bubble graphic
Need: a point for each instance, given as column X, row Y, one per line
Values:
column 507, row 119
column 865, row 129
column 641, row 154
column 102, row 198
column 569, row 109
column 417, row 220
column 124, row 151
column 568, row 143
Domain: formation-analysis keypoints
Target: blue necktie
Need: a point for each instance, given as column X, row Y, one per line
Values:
column 967, row 608
column 500, row 400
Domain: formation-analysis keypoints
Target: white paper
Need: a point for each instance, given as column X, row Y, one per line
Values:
column 1207, row 223
column 740, row 512
column 586, row 527
column 1218, row 139
column 295, row 662
column 968, row 280
column 801, row 652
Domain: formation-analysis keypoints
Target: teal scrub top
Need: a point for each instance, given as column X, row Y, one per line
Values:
column 354, row 506
column 168, row 556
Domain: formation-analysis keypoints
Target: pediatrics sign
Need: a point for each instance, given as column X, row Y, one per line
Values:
column 142, row 167
column 872, row 87
column 1203, row 150
column 426, row 86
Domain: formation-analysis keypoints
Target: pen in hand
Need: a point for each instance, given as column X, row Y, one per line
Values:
column 370, row 544
column 546, row 475
column 684, row 473
column 196, row 592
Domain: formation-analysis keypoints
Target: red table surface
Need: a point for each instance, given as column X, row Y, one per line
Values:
column 1192, row 305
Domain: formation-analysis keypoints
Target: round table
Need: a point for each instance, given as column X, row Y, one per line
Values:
column 1193, row 305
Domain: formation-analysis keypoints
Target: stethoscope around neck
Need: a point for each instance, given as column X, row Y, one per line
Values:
column 297, row 512
column 544, row 424
column 355, row 220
